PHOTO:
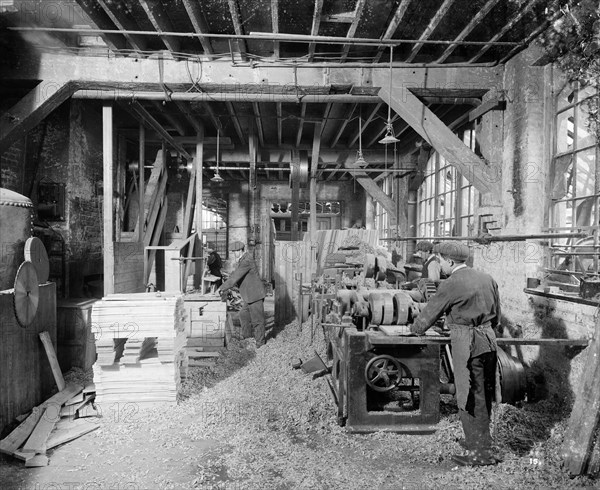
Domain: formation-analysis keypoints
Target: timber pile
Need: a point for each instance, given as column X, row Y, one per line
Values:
column 139, row 341
column 581, row 444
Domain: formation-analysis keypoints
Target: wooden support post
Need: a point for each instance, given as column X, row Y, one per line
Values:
column 199, row 178
column 252, row 181
column 312, row 226
column 52, row 359
column 142, row 181
column 107, row 197
column 295, row 195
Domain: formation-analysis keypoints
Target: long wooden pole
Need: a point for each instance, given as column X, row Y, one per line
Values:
column 107, row 197
column 142, row 181
column 199, row 178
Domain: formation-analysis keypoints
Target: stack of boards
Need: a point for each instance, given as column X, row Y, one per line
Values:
column 139, row 342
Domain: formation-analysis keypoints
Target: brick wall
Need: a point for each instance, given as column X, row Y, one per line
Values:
column 10, row 164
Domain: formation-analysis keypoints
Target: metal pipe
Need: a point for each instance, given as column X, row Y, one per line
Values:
column 277, row 169
column 492, row 238
column 298, row 38
column 239, row 96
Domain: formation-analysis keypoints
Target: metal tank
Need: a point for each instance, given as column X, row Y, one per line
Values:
column 15, row 229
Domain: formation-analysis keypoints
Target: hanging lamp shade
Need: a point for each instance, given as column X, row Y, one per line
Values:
column 217, row 178
column 389, row 136
column 389, row 132
column 360, row 161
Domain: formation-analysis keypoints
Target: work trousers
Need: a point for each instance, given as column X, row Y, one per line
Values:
column 475, row 417
column 252, row 319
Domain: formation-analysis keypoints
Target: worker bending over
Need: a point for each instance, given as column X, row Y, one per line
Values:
column 471, row 302
column 252, row 290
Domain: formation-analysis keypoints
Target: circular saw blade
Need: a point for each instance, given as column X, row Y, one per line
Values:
column 27, row 293
column 35, row 252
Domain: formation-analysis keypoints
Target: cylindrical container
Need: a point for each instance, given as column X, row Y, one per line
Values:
column 15, row 229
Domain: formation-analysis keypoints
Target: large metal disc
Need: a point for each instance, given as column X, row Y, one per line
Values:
column 27, row 293
column 35, row 252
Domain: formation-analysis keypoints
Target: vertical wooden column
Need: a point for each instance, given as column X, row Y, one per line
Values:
column 107, row 197
column 142, row 181
column 295, row 193
column 252, row 149
column 199, row 181
column 121, row 185
column 312, row 225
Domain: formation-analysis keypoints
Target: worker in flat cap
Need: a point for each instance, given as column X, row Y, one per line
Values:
column 252, row 290
column 431, row 264
column 471, row 302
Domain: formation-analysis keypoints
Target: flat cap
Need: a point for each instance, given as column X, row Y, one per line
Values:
column 425, row 246
column 457, row 251
column 235, row 246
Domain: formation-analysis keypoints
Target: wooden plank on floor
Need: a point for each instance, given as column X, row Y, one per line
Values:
column 77, row 429
column 58, row 377
column 37, row 461
column 37, row 440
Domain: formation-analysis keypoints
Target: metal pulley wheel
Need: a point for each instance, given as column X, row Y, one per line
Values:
column 27, row 294
column 347, row 298
column 383, row 373
column 512, row 377
column 299, row 171
column 382, row 308
column 402, row 302
column 35, row 252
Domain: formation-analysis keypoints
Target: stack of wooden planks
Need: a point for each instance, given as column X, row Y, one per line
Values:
column 139, row 341
column 581, row 444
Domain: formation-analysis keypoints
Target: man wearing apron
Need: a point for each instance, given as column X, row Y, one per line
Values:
column 471, row 302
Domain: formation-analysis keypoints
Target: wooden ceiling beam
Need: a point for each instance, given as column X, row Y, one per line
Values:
column 213, row 117
column 160, row 20
column 237, row 26
column 325, row 121
column 343, row 125
column 275, row 25
column 259, row 125
column 300, row 125
column 125, row 22
column 199, row 23
column 504, row 30
column 475, row 21
column 358, row 133
column 236, row 122
column 103, row 21
column 162, row 109
column 314, row 31
column 439, row 15
column 358, row 10
column 185, row 110
column 392, row 26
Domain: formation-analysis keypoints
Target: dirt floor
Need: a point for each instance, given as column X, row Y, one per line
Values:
column 253, row 422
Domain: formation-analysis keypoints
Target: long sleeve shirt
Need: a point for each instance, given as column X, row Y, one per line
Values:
column 469, row 298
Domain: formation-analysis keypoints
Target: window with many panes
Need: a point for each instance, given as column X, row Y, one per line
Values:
column 381, row 215
column 446, row 200
column 575, row 187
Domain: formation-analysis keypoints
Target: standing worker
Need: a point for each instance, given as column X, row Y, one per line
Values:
column 252, row 290
column 471, row 302
column 431, row 265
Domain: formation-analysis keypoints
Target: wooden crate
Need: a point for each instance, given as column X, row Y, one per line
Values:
column 206, row 318
column 76, row 346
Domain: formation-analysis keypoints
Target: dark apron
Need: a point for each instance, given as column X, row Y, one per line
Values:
column 464, row 346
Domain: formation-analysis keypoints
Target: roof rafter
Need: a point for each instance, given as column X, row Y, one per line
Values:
column 259, row 126
column 199, row 23
column 504, row 30
column 124, row 23
column 439, row 15
column 237, row 26
column 184, row 109
column 162, row 109
column 279, row 124
column 104, row 22
column 160, row 20
column 358, row 10
column 392, row 26
column 213, row 116
column 236, row 122
column 343, row 125
column 368, row 121
column 469, row 28
column 314, row 31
